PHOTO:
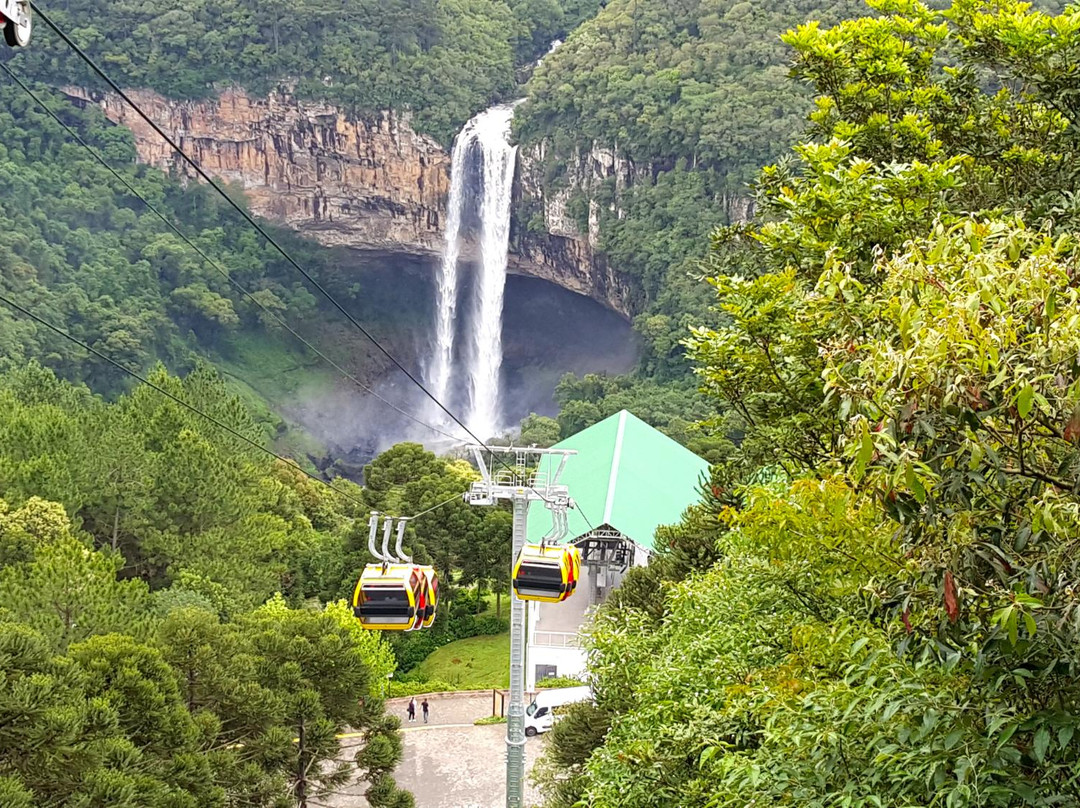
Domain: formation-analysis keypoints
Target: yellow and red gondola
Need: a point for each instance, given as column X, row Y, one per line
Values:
column 547, row 573
column 396, row 597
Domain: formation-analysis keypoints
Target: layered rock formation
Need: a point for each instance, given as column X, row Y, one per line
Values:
column 369, row 184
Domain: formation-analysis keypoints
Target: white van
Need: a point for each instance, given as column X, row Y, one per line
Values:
column 540, row 715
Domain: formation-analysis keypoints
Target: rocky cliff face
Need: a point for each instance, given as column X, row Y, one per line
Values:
column 566, row 241
column 372, row 184
column 368, row 184
column 587, row 171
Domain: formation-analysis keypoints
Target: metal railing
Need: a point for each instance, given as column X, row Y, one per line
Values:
column 557, row 639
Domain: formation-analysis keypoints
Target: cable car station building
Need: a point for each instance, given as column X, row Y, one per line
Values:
column 627, row 480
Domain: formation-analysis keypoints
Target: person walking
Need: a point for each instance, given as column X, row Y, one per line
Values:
column 412, row 710
column 424, row 705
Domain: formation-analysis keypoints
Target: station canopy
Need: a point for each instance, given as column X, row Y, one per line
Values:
column 625, row 475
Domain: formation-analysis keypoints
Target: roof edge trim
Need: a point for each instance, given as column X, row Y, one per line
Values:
column 616, row 457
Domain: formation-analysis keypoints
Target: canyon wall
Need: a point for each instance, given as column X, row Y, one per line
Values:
column 370, row 184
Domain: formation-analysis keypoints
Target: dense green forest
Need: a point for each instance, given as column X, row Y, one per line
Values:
column 86, row 253
column 82, row 251
column 158, row 646
column 876, row 602
column 692, row 97
column 440, row 61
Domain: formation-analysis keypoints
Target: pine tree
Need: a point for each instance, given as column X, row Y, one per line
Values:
column 70, row 592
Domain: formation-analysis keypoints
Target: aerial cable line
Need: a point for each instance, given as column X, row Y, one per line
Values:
column 455, row 498
column 214, row 264
column 248, row 217
column 217, row 422
column 270, row 239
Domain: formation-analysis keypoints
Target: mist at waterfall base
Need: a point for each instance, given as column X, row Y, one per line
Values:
column 547, row 331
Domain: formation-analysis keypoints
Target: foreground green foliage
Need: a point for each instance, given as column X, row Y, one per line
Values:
column 197, row 713
column 875, row 604
column 177, row 501
column 148, row 655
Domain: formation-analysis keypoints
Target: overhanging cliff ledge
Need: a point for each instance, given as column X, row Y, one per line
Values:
column 367, row 183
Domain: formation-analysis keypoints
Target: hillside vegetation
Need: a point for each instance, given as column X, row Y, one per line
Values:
column 158, row 643
column 876, row 603
column 441, row 61
column 174, row 601
column 693, row 97
column 81, row 251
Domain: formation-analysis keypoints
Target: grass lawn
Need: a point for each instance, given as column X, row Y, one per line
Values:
column 471, row 664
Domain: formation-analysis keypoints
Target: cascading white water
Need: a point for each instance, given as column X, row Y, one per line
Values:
column 489, row 133
column 492, row 135
column 446, row 284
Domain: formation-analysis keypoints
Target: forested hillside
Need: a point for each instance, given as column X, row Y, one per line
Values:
column 875, row 605
column 139, row 541
column 83, row 252
column 442, row 61
column 692, row 97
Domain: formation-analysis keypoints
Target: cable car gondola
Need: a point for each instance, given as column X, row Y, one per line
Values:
column 394, row 594
column 16, row 22
column 547, row 573
column 428, row 598
column 431, row 596
column 391, row 597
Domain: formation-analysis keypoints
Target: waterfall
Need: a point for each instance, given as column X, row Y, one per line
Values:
column 488, row 133
column 554, row 46
column 492, row 135
column 446, row 283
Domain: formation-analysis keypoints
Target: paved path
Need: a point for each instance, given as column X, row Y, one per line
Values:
column 450, row 763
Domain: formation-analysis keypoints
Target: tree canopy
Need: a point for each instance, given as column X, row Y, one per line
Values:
column 439, row 61
column 875, row 602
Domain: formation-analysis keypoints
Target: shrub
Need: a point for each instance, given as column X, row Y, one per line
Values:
column 560, row 681
column 415, row 688
column 489, row 626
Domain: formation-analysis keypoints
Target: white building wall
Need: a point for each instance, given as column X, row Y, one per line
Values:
column 567, row 662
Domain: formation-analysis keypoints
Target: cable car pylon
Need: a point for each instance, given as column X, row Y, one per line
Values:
column 394, row 594
column 521, row 484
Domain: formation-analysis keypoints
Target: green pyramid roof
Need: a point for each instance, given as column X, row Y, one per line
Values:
column 626, row 475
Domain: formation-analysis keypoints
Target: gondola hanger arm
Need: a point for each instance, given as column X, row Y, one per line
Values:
column 373, row 529
column 388, row 525
column 398, row 551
